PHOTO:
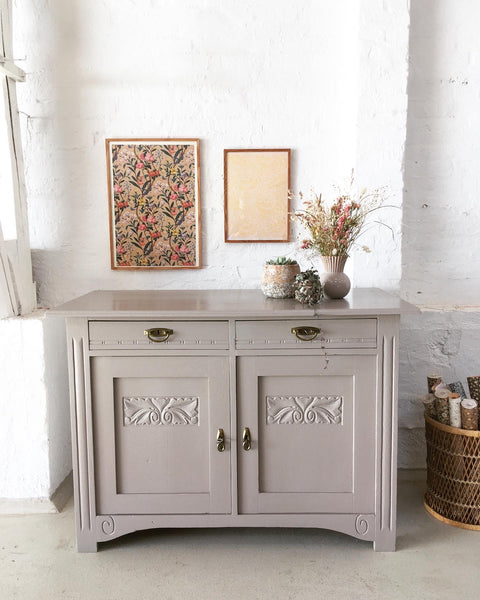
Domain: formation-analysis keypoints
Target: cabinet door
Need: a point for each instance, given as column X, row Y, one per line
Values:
column 312, row 426
column 155, row 426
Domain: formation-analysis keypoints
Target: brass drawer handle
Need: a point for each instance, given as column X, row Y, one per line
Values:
column 220, row 440
column 158, row 334
column 246, row 439
column 306, row 334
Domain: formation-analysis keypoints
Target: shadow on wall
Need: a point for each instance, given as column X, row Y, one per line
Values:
column 56, row 386
column 419, row 214
column 68, row 114
column 57, row 177
column 441, row 249
column 69, row 139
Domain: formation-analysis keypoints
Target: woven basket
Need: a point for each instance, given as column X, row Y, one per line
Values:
column 453, row 474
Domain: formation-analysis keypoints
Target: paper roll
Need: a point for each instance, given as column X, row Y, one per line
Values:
column 441, row 406
column 454, row 402
column 429, row 405
column 457, row 387
column 469, row 412
column 442, row 386
column 474, row 387
column 432, row 382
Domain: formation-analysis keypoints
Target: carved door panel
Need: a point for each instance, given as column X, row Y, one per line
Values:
column 155, row 425
column 312, row 430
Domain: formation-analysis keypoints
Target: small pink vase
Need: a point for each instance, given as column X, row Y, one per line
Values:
column 336, row 284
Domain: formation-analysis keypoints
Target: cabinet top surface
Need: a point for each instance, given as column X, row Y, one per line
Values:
column 226, row 304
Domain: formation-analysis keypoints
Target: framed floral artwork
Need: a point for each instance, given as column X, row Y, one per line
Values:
column 154, row 203
column 257, row 204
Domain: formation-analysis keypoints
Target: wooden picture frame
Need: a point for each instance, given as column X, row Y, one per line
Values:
column 154, row 203
column 256, row 198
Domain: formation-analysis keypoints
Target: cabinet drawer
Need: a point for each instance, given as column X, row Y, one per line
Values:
column 130, row 335
column 334, row 333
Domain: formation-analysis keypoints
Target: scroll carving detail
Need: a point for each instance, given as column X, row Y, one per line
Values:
column 108, row 525
column 361, row 525
column 303, row 410
column 160, row 410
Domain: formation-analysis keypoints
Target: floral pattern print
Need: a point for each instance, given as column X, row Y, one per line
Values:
column 154, row 204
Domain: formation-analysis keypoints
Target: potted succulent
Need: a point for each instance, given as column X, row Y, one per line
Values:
column 278, row 279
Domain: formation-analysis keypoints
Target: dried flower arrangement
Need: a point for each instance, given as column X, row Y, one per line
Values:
column 335, row 226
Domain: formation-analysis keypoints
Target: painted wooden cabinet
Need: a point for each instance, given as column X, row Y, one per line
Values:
column 153, row 423
column 313, row 447
column 224, row 408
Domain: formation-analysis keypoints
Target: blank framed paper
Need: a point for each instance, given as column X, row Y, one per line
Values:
column 257, row 204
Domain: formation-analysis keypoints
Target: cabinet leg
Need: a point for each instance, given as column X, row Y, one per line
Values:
column 385, row 543
column 86, row 542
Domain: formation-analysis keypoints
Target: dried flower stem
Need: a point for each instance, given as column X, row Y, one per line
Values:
column 335, row 227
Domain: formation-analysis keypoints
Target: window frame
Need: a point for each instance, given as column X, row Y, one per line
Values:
column 17, row 290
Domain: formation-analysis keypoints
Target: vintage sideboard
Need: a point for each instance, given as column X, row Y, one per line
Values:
column 224, row 408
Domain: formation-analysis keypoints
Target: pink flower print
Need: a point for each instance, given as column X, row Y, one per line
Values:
column 144, row 218
column 142, row 155
column 117, row 188
column 183, row 188
column 149, row 157
column 184, row 249
column 175, row 187
column 151, row 219
column 142, row 226
column 174, row 256
column 173, row 196
column 174, row 211
column 120, row 249
column 139, row 165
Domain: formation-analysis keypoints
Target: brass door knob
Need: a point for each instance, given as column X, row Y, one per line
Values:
column 246, row 439
column 220, row 440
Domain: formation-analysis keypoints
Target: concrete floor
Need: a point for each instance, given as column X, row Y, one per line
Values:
column 38, row 561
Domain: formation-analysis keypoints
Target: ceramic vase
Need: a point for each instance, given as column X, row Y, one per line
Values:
column 278, row 281
column 336, row 284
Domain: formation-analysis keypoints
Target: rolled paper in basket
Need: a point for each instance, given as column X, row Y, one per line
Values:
column 432, row 382
column 442, row 386
column 457, row 387
column 441, row 406
column 474, row 387
column 429, row 405
column 454, row 402
column 469, row 411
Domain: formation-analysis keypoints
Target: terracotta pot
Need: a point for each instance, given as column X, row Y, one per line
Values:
column 336, row 284
column 278, row 281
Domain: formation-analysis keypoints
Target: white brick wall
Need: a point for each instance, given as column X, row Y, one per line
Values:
column 235, row 74
column 328, row 79
column 441, row 219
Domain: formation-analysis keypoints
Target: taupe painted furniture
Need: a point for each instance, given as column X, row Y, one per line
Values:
column 224, row 408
